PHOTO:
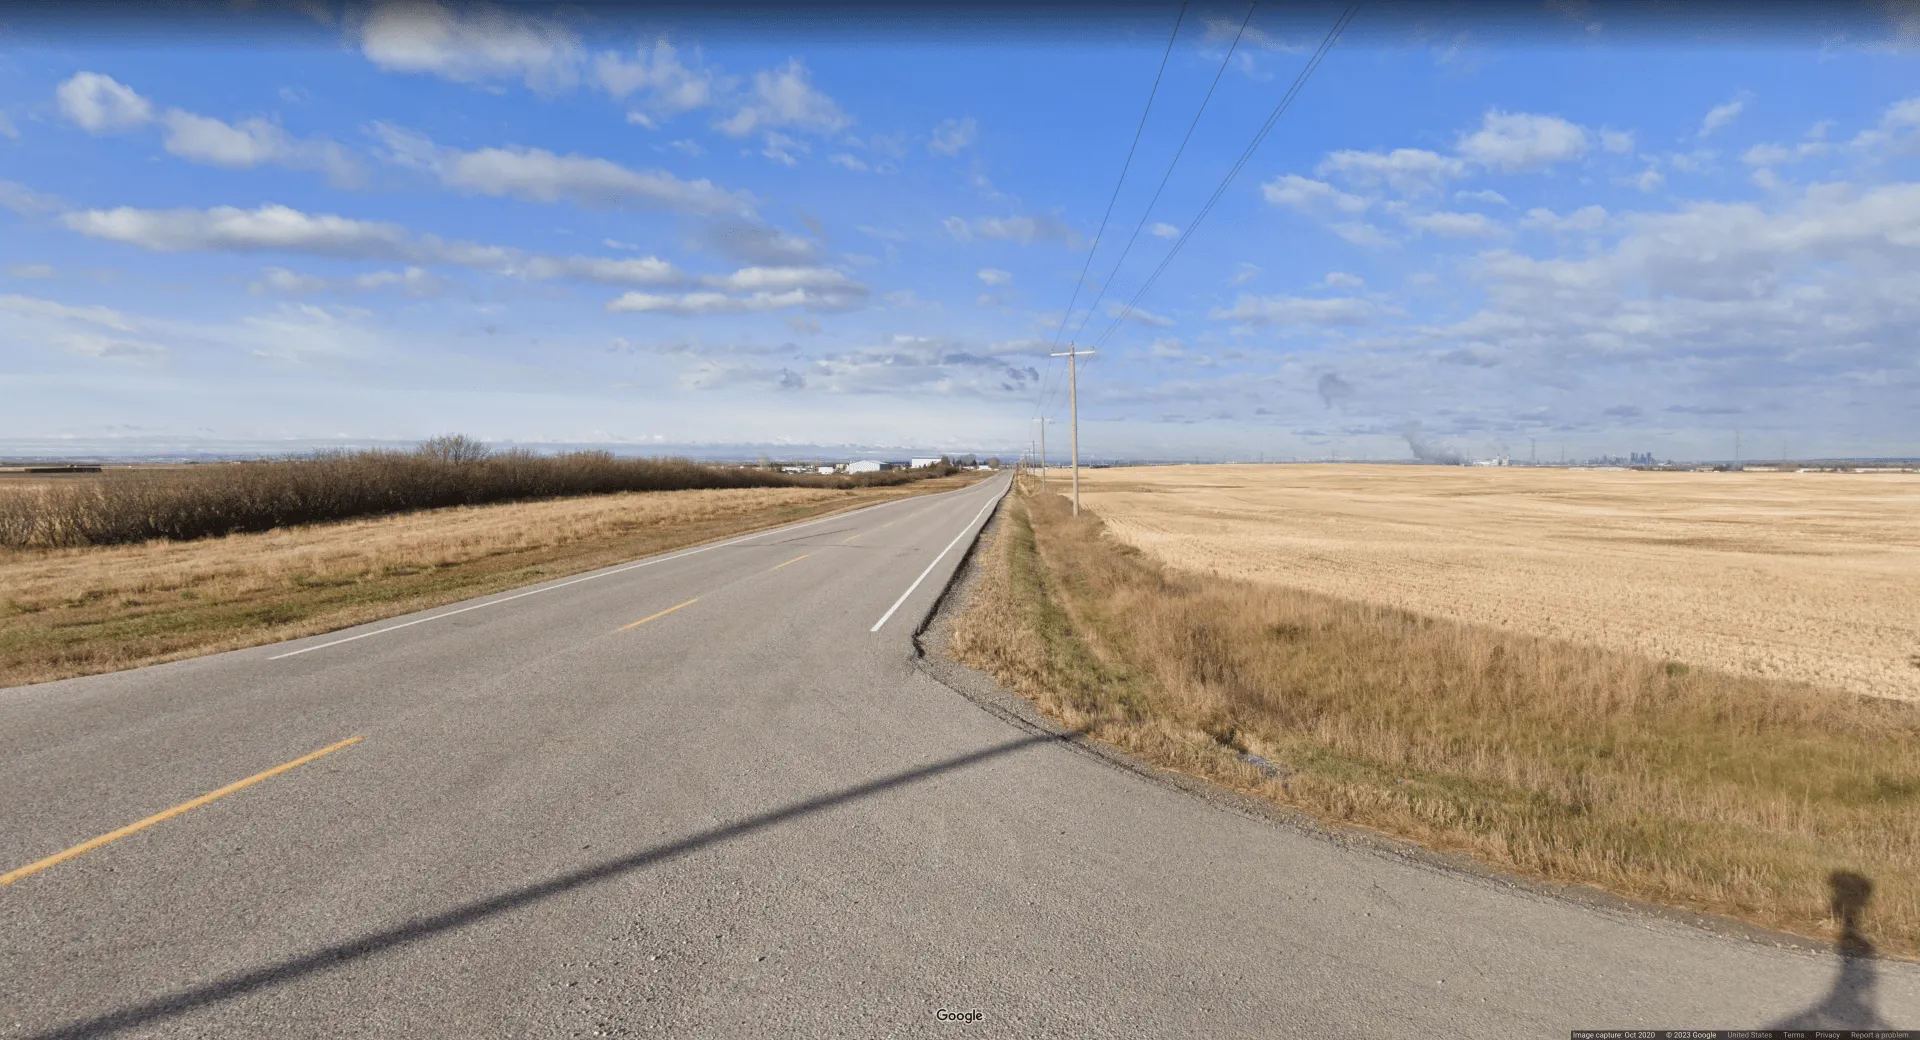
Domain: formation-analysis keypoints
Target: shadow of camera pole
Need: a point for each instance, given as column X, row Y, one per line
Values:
column 1849, row 1002
column 320, row 960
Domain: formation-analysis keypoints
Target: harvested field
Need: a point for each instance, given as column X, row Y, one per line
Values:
column 1694, row 788
column 1807, row 577
column 77, row 611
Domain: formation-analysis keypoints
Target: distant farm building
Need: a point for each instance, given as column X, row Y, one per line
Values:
column 864, row 467
column 919, row 463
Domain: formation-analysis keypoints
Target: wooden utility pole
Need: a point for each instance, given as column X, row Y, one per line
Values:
column 1072, row 354
column 1043, row 453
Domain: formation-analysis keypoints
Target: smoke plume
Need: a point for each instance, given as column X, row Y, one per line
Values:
column 1333, row 388
column 1428, row 451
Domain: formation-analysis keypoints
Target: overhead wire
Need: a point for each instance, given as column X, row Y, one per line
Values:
column 1286, row 100
column 1093, row 307
column 1192, row 125
column 1124, row 166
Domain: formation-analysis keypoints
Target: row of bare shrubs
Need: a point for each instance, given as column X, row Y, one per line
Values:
column 132, row 505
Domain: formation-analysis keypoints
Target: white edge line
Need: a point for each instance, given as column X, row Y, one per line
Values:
column 935, row 563
column 601, row 574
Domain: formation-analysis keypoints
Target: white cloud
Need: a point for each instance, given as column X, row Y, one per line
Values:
column 780, row 149
column 1115, row 309
column 471, row 44
column 1899, row 127
column 24, row 200
column 7, row 129
column 1818, row 282
column 207, row 140
column 1778, row 154
column 31, row 271
column 1456, row 225
column 1515, row 141
column 703, row 304
column 1361, row 233
column 412, row 281
column 100, row 104
column 1410, row 171
column 1721, row 116
column 229, row 229
column 1620, row 142
column 1487, row 195
column 538, row 175
column 848, row 162
column 1295, row 310
column 1243, row 273
column 752, row 290
column 1022, row 229
column 1343, row 280
column 776, row 279
column 1163, row 231
column 31, row 306
column 1647, row 180
column 994, row 276
column 667, row 86
column 687, row 147
column 281, row 229
column 1586, row 218
column 252, row 142
column 953, row 135
column 1311, row 196
column 785, row 97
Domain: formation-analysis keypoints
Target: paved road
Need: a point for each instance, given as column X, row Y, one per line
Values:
column 752, row 816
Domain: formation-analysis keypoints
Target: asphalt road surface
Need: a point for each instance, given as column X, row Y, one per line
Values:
column 751, row 816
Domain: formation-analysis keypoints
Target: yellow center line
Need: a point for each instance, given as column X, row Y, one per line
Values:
column 796, row 559
column 134, row 828
column 664, row 613
column 851, row 537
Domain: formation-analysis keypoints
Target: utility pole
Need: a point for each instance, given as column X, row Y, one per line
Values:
column 1072, row 354
column 1043, row 453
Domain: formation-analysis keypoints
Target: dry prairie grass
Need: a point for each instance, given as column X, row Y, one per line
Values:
column 67, row 612
column 1578, row 764
column 1798, row 576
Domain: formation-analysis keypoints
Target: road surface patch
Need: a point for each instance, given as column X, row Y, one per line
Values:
column 161, row 817
column 664, row 613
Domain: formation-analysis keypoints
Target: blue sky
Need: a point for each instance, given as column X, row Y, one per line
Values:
column 396, row 221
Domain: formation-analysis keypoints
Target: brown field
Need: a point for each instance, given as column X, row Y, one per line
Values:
column 1694, row 787
column 77, row 611
column 1809, row 577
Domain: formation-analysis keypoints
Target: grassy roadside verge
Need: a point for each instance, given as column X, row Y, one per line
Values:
column 1693, row 789
column 69, row 612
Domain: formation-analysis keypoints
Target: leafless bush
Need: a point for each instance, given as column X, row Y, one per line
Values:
column 133, row 505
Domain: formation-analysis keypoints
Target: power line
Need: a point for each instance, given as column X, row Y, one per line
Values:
column 1286, row 100
column 1095, row 247
column 1178, row 152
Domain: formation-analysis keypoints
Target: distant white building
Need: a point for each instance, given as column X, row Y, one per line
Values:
column 826, row 469
column 866, row 466
column 918, row 463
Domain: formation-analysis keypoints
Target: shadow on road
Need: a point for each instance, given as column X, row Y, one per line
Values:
column 1849, row 1002
column 413, row 931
